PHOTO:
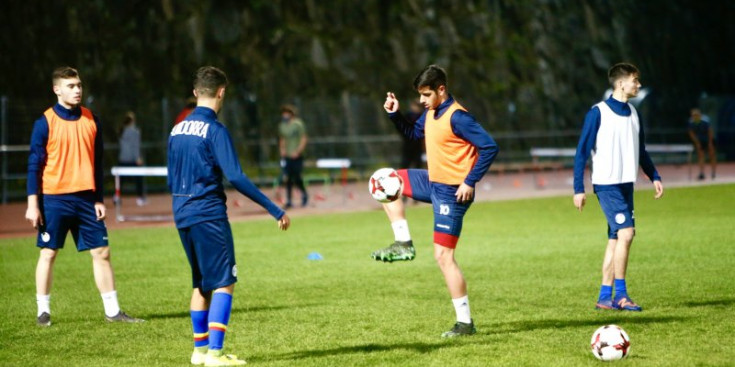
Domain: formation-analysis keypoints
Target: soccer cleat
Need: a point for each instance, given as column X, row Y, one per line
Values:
column 399, row 250
column 604, row 304
column 626, row 304
column 197, row 357
column 123, row 317
column 304, row 201
column 44, row 320
column 460, row 329
column 219, row 359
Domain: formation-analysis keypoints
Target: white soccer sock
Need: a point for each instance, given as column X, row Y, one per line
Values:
column 462, row 308
column 44, row 303
column 109, row 299
column 400, row 230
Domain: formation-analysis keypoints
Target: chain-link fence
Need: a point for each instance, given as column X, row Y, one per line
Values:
column 350, row 127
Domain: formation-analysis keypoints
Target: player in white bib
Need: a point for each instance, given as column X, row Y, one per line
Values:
column 613, row 136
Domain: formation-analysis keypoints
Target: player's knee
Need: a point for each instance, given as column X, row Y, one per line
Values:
column 100, row 253
column 626, row 234
column 47, row 255
column 443, row 255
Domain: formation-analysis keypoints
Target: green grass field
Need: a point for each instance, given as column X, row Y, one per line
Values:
column 532, row 267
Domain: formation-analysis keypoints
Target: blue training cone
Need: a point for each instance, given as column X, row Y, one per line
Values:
column 315, row 256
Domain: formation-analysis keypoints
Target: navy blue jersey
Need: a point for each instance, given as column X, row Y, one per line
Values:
column 200, row 154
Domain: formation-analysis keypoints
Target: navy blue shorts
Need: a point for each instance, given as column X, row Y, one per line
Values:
column 616, row 202
column 74, row 214
column 211, row 253
column 448, row 213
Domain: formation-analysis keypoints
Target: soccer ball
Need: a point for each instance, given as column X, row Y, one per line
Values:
column 610, row 343
column 385, row 185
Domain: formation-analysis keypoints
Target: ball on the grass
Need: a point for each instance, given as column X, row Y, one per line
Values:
column 610, row 343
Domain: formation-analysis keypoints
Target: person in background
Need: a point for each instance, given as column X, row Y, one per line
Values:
column 130, row 141
column 191, row 103
column 702, row 136
column 292, row 140
column 65, row 193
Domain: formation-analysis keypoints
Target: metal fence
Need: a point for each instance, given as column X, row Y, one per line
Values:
column 352, row 128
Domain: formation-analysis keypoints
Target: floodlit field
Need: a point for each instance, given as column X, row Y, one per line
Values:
column 532, row 267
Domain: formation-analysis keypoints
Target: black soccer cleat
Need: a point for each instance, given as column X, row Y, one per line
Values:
column 123, row 317
column 44, row 320
column 460, row 329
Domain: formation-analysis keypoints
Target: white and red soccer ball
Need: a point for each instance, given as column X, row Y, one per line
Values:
column 610, row 343
column 385, row 185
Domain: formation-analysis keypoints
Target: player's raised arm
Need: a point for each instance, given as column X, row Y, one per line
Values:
column 391, row 103
column 411, row 130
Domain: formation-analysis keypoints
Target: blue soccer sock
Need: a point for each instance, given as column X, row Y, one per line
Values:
column 219, row 316
column 200, row 328
column 605, row 292
column 620, row 289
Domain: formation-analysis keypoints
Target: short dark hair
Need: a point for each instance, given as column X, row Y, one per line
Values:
column 287, row 107
column 432, row 76
column 64, row 72
column 621, row 70
column 208, row 79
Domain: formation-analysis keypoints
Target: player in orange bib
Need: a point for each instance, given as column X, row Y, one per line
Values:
column 65, row 193
column 459, row 152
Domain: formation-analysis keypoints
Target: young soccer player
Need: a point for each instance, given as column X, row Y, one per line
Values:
column 200, row 154
column 613, row 136
column 459, row 152
column 65, row 192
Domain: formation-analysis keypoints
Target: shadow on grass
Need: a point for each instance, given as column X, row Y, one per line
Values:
column 521, row 326
column 489, row 330
column 712, row 302
column 185, row 314
column 362, row 349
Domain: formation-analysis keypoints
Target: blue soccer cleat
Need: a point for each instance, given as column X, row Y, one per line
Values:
column 604, row 304
column 626, row 304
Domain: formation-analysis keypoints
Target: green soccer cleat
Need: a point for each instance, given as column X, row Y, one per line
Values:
column 123, row 317
column 217, row 358
column 44, row 320
column 460, row 329
column 398, row 251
